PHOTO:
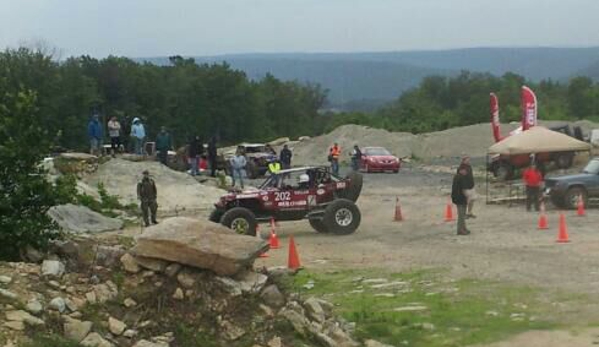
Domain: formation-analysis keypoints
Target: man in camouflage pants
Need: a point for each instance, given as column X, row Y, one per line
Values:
column 146, row 193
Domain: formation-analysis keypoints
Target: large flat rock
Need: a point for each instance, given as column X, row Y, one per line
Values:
column 80, row 219
column 200, row 244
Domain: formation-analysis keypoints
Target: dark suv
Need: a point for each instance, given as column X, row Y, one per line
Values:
column 564, row 191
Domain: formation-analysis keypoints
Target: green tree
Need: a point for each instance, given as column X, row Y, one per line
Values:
column 25, row 194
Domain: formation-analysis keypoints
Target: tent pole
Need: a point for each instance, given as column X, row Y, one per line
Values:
column 487, row 181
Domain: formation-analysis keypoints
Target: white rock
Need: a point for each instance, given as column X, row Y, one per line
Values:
column 172, row 270
column 129, row 333
column 129, row 303
column 34, row 306
column 373, row 343
column 76, row 330
column 146, row 343
column 8, row 294
column 23, row 316
column 129, row 263
column 58, row 304
column 95, row 340
column 52, row 268
column 153, row 264
column 14, row 325
column 116, row 326
column 410, row 309
column 178, row 295
column 5, row 279
column 314, row 310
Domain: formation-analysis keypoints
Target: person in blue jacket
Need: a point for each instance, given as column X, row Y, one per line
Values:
column 94, row 132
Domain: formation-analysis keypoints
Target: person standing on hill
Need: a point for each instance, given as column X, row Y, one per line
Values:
column 334, row 154
column 356, row 156
column 147, row 195
column 238, row 163
column 194, row 154
column 138, row 134
column 114, row 131
column 458, row 197
column 212, row 153
column 94, row 131
column 469, row 186
column 285, row 157
column 163, row 145
column 533, row 180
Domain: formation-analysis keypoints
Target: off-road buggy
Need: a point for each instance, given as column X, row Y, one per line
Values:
column 327, row 201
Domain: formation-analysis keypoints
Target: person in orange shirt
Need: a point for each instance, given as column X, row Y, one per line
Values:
column 334, row 154
column 533, row 179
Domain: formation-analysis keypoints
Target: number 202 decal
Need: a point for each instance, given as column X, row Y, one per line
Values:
column 282, row 196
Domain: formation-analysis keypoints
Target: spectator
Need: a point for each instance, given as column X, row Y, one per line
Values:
column 147, row 194
column 114, row 131
column 356, row 156
column 212, row 153
column 459, row 198
column 274, row 167
column 469, row 186
column 94, row 131
column 194, row 153
column 138, row 135
column 334, row 154
column 163, row 145
column 238, row 163
column 270, row 149
column 532, row 179
column 285, row 157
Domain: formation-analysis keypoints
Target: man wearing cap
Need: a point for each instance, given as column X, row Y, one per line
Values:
column 147, row 193
column 459, row 198
column 468, row 185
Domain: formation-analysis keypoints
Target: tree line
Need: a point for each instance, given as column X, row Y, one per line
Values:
column 440, row 102
column 188, row 98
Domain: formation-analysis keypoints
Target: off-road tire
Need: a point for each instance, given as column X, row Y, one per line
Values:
column 342, row 217
column 239, row 215
column 216, row 216
column 354, row 187
column 571, row 197
column 558, row 201
column 564, row 160
column 318, row 225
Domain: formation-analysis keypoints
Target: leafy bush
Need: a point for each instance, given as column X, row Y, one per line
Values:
column 25, row 194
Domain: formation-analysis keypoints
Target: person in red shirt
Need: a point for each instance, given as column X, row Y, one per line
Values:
column 533, row 179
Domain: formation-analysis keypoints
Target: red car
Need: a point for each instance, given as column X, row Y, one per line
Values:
column 378, row 159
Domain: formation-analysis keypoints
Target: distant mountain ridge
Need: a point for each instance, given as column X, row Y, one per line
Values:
column 377, row 77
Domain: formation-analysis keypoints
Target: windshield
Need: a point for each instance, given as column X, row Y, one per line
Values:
column 592, row 167
column 255, row 149
column 376, row 151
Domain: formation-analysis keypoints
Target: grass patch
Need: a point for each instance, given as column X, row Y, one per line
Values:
column 49, row 340
column 445, row 313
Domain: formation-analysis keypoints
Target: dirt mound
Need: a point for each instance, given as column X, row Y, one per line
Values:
column 472, row 139
column 80, row 219
column 177, row 191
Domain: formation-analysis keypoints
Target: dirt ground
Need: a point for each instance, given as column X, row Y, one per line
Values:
column 504, row 246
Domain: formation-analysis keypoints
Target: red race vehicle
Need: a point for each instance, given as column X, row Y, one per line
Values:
column 312, row 193
column 378, row 159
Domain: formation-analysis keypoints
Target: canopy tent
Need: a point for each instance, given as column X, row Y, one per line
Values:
column 538, row 140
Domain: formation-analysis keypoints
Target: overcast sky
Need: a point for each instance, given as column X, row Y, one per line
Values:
column 139, row 28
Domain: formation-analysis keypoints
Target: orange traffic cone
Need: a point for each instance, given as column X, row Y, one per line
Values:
column 562, row 236
column 398, row 214
column 293, row 261
column 580, row 212
column 449, row 211
column 273, row 240
column 543, row 218
column 259, row 237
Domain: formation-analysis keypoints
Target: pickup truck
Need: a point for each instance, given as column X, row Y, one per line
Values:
column 564, row 191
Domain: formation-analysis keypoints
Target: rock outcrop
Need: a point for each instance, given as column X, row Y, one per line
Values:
column 199, row 244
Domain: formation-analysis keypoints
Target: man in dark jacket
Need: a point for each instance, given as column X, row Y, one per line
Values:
column 147, row 194
column 469, row 186
column 94, row 131
column 212, row 156
column 163, row 145
column 196, row 147
column 459, row 198
column 285, row 157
